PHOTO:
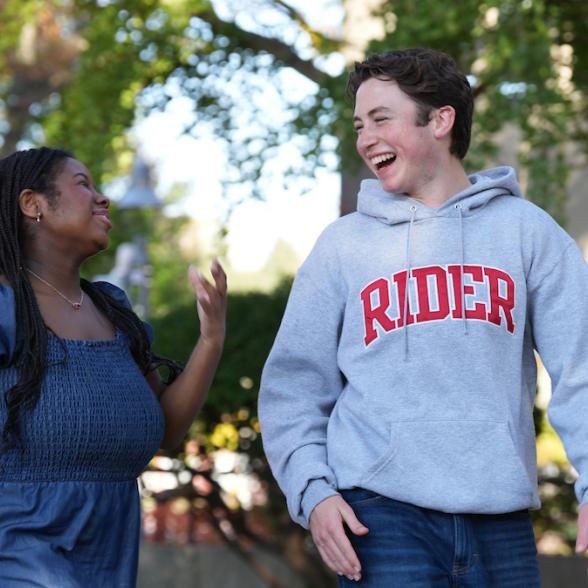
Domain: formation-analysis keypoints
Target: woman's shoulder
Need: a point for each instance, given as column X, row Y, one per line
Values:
column 114, row 291
column 6, row 296
column 120, row 296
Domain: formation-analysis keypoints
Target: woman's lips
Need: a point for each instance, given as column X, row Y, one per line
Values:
column 103, row 215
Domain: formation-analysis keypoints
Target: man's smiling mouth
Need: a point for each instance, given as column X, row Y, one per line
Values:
column 380, row 161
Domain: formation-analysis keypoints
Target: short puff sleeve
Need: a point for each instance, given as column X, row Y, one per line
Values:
column 7, row 324
column 121, row 297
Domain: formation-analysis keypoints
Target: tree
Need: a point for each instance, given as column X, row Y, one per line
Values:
column 79, row 73
column 526, row 62
column 112, row 61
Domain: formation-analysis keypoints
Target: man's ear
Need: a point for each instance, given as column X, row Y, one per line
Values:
column 443, row 121
column 30, row 204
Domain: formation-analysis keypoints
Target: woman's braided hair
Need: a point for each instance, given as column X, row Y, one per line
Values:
column 37, row 170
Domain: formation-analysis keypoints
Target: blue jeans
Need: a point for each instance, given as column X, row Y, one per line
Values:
column 413, row 547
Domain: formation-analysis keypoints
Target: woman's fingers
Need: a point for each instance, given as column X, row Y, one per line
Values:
column 204, row 290
column 211, row 302
column 219, row 275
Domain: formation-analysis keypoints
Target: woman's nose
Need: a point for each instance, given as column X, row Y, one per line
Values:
column 102, row 199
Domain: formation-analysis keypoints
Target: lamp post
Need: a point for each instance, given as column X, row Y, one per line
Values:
column 140, row 196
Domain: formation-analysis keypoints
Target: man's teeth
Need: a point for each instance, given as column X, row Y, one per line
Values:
column 382, row 158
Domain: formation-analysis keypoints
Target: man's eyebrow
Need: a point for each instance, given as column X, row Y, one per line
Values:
column 374, row 111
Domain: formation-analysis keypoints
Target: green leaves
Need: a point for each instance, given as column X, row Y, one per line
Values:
column 131, row 57
column 523, row 60
column 112, row 61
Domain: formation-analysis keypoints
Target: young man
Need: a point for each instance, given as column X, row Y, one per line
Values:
column 396, row 404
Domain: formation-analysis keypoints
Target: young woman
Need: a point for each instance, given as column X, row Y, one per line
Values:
column 82, row 407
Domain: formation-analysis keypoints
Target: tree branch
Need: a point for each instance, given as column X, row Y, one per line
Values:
column 283, row 53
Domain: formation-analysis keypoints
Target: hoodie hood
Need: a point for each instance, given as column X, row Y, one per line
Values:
column 391, row 208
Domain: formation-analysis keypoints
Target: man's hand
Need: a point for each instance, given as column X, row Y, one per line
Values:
column 582, row 539
column 328, row 533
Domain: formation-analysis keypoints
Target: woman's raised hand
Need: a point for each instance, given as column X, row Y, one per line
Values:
column 211, row 303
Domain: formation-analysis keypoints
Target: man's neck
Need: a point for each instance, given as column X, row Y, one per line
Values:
column 452, row 180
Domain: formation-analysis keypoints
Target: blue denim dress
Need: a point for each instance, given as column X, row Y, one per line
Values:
column 69, row 503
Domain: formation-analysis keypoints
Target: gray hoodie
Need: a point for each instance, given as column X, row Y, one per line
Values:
column 396, row 390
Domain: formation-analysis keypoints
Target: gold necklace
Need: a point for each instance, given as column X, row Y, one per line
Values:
column 76, row 305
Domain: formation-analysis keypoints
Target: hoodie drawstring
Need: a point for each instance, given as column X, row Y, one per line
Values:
column 464, row 319
column 413, row 209
column 459, row 208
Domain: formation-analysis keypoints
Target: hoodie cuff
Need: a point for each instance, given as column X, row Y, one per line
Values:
column 316, row 491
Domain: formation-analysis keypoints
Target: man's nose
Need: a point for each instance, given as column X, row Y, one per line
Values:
column 366, row 138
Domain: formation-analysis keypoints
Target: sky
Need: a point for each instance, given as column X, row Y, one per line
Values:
column 295, row 215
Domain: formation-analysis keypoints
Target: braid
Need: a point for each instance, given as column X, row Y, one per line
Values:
column 34, row 169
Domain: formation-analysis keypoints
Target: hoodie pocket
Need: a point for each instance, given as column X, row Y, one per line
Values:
column 455, row 466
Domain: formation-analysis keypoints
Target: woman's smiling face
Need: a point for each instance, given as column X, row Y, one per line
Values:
column 78, row 213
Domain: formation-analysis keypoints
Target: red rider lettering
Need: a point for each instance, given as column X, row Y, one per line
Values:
column 475, row 271
column 400, row 280
column 496, row 301
column 479, row 310
column 455, row 272
column 491, row 291
column 376, row 313
column 422, row 281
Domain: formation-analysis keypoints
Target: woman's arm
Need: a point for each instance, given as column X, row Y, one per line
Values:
column 184, row 398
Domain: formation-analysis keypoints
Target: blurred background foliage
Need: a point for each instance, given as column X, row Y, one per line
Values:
column 80, row 73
